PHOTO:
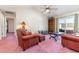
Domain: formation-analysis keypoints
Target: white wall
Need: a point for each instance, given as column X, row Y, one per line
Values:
column 34, row 19
column 2, row 26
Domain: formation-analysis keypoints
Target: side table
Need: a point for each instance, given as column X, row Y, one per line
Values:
column 42, row 38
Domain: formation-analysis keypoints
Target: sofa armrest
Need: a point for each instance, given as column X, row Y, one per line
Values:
column 28, row 33
column 29, row 37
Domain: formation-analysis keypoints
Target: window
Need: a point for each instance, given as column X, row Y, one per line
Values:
column 66, row 25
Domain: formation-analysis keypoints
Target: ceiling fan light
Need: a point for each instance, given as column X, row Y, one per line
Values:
column 47, row 11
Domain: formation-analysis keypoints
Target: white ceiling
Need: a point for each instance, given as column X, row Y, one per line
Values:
column 61, row 9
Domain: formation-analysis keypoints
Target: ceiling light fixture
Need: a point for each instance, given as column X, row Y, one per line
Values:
column 49, row 8
column 47, row 11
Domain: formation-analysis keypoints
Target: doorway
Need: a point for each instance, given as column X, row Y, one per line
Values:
column 10, row 25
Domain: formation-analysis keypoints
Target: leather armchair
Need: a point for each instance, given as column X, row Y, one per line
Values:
column 26, row 39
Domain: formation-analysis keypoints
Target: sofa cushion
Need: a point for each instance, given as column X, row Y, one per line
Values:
column 70, row 37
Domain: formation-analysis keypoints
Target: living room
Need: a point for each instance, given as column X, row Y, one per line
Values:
column 37, row 19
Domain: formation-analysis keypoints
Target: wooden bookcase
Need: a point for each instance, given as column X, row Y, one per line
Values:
column 51, row 24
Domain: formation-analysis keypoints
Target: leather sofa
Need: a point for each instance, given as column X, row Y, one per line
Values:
column 27, row 39
column 70, row 41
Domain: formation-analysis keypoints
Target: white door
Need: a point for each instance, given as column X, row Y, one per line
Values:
column 10, row 24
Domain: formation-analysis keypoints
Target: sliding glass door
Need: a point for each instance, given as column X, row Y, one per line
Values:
column 66, row 25
column 70, row 23
column 61, row 25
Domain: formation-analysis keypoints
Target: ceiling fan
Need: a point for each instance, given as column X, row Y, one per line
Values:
column 48, row 9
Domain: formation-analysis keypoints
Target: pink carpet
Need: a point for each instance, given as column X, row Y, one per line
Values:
column 10, row 45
